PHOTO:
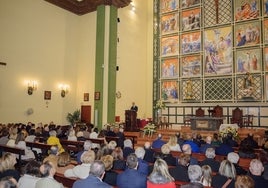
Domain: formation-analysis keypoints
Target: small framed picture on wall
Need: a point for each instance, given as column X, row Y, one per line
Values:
column 86, row 96
column 97, row 96
column 47, row 95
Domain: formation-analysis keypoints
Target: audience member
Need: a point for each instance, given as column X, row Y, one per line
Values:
column 104, row 150
column 206, row 175
column 197, row 139
column 142, row 164
column 226, row 176
column 250, row 141
column 87, row 146
column 173, row 143
column 94, row 179
column 246, row 150
column 31, row 175
column 7, row 166
column 149, row 153
column 210, row 161
column 180, row 172
column 110, row 176
column 8, row 182
column 180, row 139
column 81, row 171
column 234, row 158
column 244, row 181
column 224, row 148
column 215, row 140
column 167, row 156
column 207, row 145
column 131, row 178
column 119, row 163
column 110, row 131
column 71, row 135
column 64, row 162
column 195, row 174
column 158, row 143
column 194, row 146
column 256, row 168
column 263, row 156
column 20, row 143
column 53, row 156
column 48, row 171
column 186, row 149
column 128, row 148
column 160, row 177
column 112, row 145
column 121, row 137
column 4, row 136
column 53, row 140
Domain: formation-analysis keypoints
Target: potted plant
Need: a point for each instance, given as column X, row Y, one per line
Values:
column 74, row 117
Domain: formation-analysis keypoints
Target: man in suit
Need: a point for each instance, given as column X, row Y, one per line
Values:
column 134, row 107
column 131, row 178
column 210, row 161
column 48, row 171
column 97, row 171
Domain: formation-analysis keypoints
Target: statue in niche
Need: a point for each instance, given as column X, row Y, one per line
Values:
column 248, row 86
column 189, row 89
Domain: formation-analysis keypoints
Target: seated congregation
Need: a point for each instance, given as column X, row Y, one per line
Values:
column 107, row 158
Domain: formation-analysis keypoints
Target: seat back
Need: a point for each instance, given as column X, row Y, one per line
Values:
column 200, row 112
column 237, row 116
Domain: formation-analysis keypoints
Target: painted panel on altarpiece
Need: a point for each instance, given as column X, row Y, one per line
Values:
column 217, row 12
column 248, row 60
column 247, row 34
column 191, row 66
column 170, row 46
column 191, row 42
column 218, row 45
column 169, row 90
column 169, row 68
column 245, row 10
column 169, row 23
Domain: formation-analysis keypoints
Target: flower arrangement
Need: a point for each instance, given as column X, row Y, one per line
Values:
column 160, row 105
column 149, row 129
column 229, row 130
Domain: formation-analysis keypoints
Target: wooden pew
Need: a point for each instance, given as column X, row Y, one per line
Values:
column 14, row 150
column 75, row 146
column 67, row 182
column 96, row 140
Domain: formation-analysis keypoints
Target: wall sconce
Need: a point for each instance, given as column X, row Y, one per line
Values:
column 32, row 86
column 64, row 89
column 132, row 6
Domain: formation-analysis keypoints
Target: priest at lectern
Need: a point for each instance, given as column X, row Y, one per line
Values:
column 134, row 107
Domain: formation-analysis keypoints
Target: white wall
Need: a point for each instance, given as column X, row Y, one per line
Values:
column 42, row 42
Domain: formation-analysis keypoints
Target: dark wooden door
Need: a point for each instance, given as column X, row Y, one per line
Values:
column 86, row 113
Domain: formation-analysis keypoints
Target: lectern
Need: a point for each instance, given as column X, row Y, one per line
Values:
column 131, row 120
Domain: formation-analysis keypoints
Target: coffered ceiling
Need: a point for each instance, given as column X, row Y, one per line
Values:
column 81, row 7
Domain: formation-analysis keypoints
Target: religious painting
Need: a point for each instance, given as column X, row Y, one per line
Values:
column 191, row 19
column 265, row 7
column 86, row 96
column 266, row 58
column 218, row 46
column 190, row 42
column 245, row 10
column 169, row 90
column 170, row 46
column 97, row 96
column 217, row 12
column 191, row 66
column 266, row 86
column 169, row 68
column 169, row 5
column 189, row 3
column 265, row 30
column 47, row 95
column 247, row 34
column 248, row 60
column 169, row 23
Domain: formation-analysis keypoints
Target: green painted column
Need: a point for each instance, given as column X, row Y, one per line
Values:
column 109, row 85
column 112, row 65
column 99, row 66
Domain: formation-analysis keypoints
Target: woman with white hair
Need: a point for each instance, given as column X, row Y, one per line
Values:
column 226, row 176
column 128, row 148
